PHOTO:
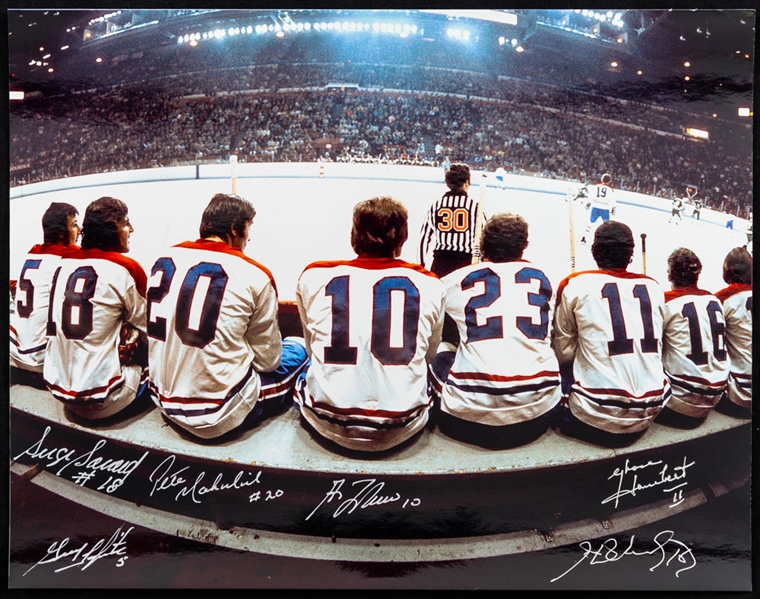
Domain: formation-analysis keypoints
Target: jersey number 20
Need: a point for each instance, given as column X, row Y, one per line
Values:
column 205, row 332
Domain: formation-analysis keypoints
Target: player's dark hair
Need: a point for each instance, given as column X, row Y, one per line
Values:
column 226, row 212
column 613, row 245
column 505, row 238
column 457, row 175
column 100, row 224
column 737, row 267
column 55, row 222
column 379, row 227
column 684, row 267
column 606, row 178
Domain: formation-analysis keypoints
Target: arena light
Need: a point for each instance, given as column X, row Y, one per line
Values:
column 64, row 47
column 493, row 16
column 743, row 111
column 16, row 95
column 698, row 133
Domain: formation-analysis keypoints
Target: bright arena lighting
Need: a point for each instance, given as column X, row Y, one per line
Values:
column 16, row 95
column 698, row 133
column 744, row 111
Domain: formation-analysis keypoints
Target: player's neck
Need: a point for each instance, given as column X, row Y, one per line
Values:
column 214, row 238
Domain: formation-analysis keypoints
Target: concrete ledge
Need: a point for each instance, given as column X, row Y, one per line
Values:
column 283, row 442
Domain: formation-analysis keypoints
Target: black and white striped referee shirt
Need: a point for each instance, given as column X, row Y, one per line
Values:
column 450, row 225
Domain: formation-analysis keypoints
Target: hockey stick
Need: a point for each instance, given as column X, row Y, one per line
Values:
column 233, row 172
column 479, row 220
column 572, row 232
column 644, row 252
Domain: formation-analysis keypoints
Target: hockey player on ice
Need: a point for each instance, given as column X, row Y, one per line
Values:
column 677, row 207
column 602, row 203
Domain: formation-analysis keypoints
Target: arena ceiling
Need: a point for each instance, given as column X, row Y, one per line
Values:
column 714, row 48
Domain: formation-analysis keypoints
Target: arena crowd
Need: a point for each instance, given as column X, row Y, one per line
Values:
column 366, row 112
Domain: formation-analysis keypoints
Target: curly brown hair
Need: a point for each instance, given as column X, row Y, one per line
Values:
column 505, row 238
column 379, row 227
column 737, row 267
column 100, row 224
column 683, row 267
column 457, row 175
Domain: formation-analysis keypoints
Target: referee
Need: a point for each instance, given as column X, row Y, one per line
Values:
column 450, row 227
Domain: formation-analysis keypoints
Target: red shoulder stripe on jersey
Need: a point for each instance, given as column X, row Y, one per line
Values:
column 620, row 273
column 732, row 289
column 690, row 290
column 220, row 246
column 56, row 249
column 482, row 376
column 369, row 263
column 131, row 266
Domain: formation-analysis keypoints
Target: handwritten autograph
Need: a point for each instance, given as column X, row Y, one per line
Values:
column 86, row 465
column 664, row 542
column 674, row 480
column 164, row 479
column 367, row 496
column 115, row 546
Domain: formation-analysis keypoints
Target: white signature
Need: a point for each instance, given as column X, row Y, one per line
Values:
column 86, row 466
column 367, row 496
column 81, row 557
column 664, row 542
column 163, row 479
column 672, row 482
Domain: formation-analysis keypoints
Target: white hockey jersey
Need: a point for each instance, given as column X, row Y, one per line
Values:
column 737, row 308
column 212, row 327
column 371, row 326
column 694, row 350
column 608, row 324
column 601, row 196
column 505, row 370
column 28, row 323
column 93, row 292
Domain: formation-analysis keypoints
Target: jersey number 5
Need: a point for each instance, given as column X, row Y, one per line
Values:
column 24, row 310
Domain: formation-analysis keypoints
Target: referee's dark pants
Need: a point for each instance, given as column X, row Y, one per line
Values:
column 446, row 261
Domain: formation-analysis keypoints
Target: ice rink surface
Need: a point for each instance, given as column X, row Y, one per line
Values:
column 301, row 219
